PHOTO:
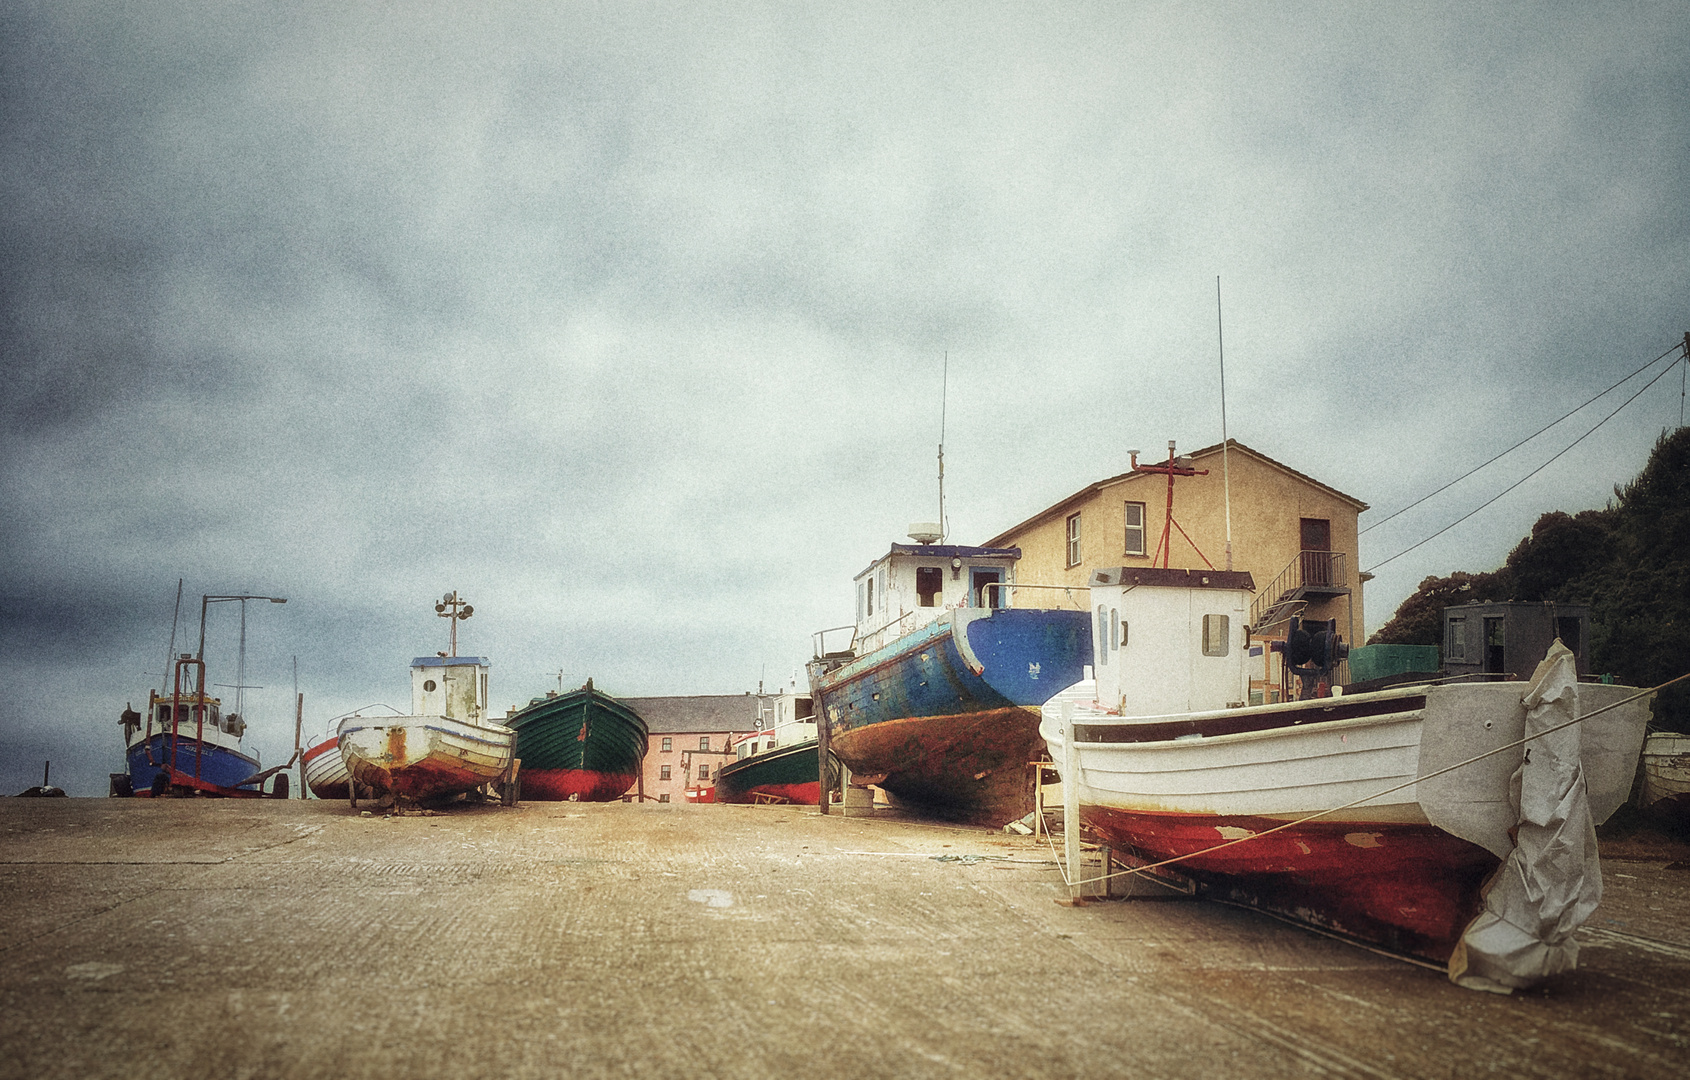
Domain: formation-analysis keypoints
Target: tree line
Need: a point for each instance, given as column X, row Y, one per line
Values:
column 1630, row 562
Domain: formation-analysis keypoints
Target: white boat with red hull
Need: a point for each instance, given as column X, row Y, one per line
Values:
column 1394, row 851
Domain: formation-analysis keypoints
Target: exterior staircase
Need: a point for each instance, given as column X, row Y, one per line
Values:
column 1312, row 575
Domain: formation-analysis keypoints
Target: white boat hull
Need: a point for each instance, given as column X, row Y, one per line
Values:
column 1401, row 868
column 423, row 757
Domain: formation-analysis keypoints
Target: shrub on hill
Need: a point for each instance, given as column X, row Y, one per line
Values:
column 1630, row 562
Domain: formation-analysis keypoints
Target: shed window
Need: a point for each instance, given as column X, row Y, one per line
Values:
column 1134, row 516
column 1074, row 540
column 1455, row 638
column 929, row 583
column 1215, row 633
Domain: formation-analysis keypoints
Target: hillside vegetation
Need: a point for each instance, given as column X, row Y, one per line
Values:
column 1630, row 562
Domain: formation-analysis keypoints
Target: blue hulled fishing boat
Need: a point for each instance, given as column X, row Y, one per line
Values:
column 936, row 699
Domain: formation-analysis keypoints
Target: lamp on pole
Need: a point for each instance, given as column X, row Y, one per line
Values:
column 453, row 607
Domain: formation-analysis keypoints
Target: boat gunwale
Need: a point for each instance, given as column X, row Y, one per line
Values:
column 1259, row 721
column 739, row 765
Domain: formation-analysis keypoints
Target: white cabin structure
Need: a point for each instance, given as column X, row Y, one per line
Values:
column 450, row 686
column 913, row 584
column 1170, row 641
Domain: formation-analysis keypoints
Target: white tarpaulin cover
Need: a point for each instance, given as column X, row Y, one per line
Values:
column 1551, row 882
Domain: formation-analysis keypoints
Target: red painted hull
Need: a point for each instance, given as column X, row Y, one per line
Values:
column 1411, row 888
column 584, row 785
column 968, row 766
column 809, row 794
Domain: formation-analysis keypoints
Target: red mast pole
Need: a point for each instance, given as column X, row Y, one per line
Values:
column 1172, row 469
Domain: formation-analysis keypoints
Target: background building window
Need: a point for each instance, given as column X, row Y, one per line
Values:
column 663, row 798
column 704, row 742
column 663, row 772
column 1074, row 540
column 704, row 772
column 1135, row 528
column 668, row 744
column 1455, row 638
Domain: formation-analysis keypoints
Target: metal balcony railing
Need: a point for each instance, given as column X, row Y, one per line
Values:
column 1310, row 575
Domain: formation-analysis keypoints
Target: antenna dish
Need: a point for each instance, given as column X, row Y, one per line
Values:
column 924, row 532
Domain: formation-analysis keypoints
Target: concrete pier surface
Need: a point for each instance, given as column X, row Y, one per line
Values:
column 302, row 939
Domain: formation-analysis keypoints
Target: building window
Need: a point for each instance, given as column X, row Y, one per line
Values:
column 1117, row 629
column 663, row 798
column 1455, row 638
column 704, row 742
column 1074, row 540
column 1134, row 516
column 871, row 597
column 668, row 744
column 663, row 772
column 704, row 772
column 1215, row 635
column 929, row 583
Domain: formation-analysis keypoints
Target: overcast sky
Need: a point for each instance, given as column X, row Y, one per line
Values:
column 629, row 322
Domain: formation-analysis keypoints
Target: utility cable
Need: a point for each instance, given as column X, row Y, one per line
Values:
column 1664, row 372
column 1534, row 435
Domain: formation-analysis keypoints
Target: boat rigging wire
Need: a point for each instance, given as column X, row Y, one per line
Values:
column 1528, row 476
column 1376, row 795
column 1538, row 432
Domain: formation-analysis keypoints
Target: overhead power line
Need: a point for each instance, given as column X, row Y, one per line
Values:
column 1664, row 372
column 1527, row 439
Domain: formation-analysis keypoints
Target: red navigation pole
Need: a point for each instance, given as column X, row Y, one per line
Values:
column 1171, row 469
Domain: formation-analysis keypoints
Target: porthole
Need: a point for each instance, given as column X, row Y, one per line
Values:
column 428, row 686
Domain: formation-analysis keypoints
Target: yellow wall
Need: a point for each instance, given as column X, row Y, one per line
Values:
column 1268, row 503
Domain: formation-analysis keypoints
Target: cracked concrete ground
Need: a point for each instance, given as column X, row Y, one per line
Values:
column 301, row 939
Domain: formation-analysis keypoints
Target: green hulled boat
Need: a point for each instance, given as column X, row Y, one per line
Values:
column 776, row 766
column 582, row 745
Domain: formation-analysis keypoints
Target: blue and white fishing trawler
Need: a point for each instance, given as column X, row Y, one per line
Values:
column 185, row 743
column 936, row 698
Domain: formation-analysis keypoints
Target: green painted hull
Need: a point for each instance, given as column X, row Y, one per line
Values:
column 787, row 774
column 584, row 745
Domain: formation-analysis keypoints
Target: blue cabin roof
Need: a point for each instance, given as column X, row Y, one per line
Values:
column 449, row 661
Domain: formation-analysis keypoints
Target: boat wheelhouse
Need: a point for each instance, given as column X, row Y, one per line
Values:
column 935, row 696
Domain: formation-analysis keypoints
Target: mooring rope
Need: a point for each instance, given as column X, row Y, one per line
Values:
column 1072, row 883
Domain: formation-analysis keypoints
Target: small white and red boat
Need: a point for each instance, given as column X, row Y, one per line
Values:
column 1171, row 764
column 325, row 769
column 446, row 746
column 1666, row 776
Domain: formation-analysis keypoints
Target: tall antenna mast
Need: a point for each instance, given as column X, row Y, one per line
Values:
column 944, row 389
column 1226, row 473
column 170, row 659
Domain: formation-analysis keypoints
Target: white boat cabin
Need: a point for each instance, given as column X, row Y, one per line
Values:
column 913, row 584
column 775, row 738
column 1170, row 641
column 450, row 686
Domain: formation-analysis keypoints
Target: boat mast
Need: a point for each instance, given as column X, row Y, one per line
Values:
column 944, row 386
column 454, row 608
column 170, row 657
column 1226, row 473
